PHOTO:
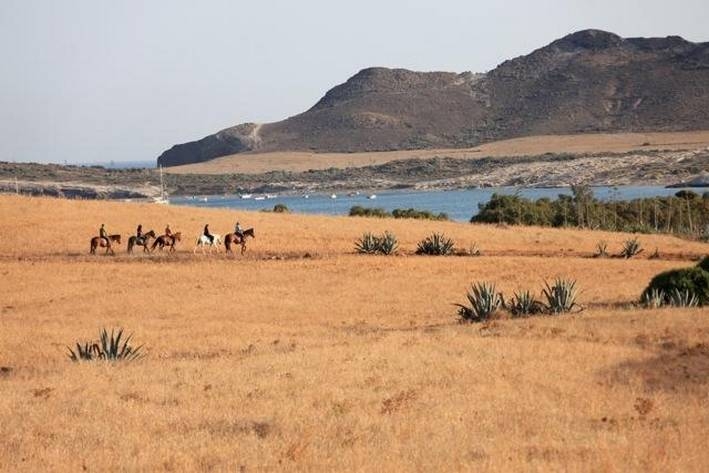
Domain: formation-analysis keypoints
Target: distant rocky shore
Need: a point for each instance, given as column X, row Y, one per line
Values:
column 664, row 168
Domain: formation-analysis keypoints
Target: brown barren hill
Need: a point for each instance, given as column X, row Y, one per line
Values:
column 590, row 81
column 304, row 356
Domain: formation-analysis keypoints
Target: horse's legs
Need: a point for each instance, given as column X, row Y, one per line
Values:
column 243, row 247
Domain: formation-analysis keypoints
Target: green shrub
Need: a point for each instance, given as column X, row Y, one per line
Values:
column 418, row 214
column 435, row 244
column 108, row 348
column 704, row 263
column 631, row 248
column 693, row 280
column 523, row 304
column 484, row 302
column 280, row 208
column 561, row 296
column 359, row 211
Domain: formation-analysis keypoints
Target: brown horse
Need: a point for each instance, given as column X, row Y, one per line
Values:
column 233, row 239
column 98, row 241
column 143, row 241
column 167, row 240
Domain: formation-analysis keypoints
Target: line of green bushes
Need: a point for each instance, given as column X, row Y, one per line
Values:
column 684, row 213
column 359, row 211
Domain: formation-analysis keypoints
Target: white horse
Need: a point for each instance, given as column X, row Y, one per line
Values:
column 203, row 241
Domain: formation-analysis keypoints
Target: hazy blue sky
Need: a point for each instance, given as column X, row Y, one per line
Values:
column 100, row 80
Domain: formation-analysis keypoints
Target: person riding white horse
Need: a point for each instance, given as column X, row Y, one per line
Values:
column 203, row 240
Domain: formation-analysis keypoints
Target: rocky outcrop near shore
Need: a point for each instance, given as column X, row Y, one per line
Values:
column 74, row 190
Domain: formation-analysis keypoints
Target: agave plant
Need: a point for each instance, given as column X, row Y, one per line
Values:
column 112, row 348
column 435, row 244
column 484, row 301
column 523, row 304
column 367, row 244
column 474, row 250
column 86, row 352
column 601, row 249
column 561, row 296
column 109, row 347
column 653, row 299
column 631, row 248
column 387, row 243
column 684, row 298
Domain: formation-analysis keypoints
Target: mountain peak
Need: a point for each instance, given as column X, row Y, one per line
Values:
column 588, row 39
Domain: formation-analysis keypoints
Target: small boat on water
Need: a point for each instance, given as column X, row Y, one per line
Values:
column 260, row 197
column 306, row 196
column 246, row 196
column 204, row 199
column 372, row 196
column 333, row 196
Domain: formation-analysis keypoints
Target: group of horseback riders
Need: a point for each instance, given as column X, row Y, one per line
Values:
column 140, row 237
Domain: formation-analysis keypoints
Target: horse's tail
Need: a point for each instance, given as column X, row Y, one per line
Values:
column 92, row 246
column 155, row 243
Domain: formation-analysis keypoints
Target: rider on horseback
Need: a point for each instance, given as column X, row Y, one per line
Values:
column 208, row 235
column 139, row 233
column 103, row 234
column 238, row 231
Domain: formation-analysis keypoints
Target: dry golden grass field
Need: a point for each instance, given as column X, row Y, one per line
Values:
column 303, row 356
column 255, row 163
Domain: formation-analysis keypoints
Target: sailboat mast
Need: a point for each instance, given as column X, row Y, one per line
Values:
column 162, row 185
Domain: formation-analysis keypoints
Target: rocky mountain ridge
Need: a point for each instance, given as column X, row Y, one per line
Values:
column 587, row 82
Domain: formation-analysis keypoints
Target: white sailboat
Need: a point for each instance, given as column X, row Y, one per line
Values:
column 163, row 195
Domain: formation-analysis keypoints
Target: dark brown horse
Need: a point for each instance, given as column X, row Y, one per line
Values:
column 143, row 241
column 234, row 239
column 98, row 241
column 167, row 240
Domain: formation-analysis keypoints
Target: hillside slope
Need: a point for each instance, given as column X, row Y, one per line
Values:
column 587, row 82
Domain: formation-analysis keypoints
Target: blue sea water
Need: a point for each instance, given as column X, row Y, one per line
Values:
column 460, row 205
